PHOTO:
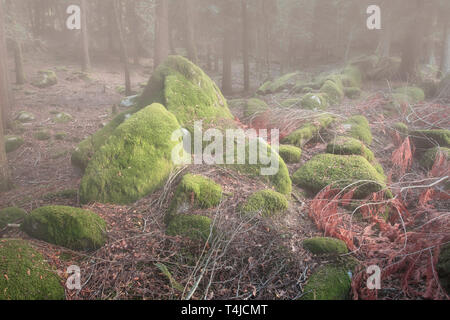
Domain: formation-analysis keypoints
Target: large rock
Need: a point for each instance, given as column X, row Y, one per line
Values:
column 134, row 161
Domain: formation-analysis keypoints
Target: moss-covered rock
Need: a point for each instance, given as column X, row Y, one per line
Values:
column 429, row 158
column 308, row 131
column 401, row 128
column 284, row 82
column 333, row 90
column 25, row 274
column 339, row 171
column 329, row 282
column 69, row 227
column 431, row 138
column 237, row 104
column 12, row 143
column 60, row 135
column 11, row 215
column 290, row 154
column 43, row 135
column 255, row 107
column 62, row 117
column 195, row 191
column 358, row 127
column 291, row 103
column 267, row 202
column 349, row 146
column 45, row 79
column 135, row 161
column 443, row 267
column 352, row 92
column 322, row 245
column 351, row 77
column 194, row 227
column 25, row 117
column 315, row 101
column 413, row 94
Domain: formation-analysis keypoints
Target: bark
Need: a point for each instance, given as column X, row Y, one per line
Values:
column 123, row 49
column 245, row 46
column 190, row 35
column 161, row 32
column 18, row 60
column 86, row 63
column 6, row 98
column 227, row 47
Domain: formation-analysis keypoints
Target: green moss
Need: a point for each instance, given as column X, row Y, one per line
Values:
column 11, row 215
column 429, row 158
column 62, row 117
column 308, row 131
column 334, row 91
column 321, row 245
column 237, row 104
column 25, row 117
column 330, row 282
column 378, row 167
column 63, row 194
column 431, row 138
column 135, row 161
column 352, row 77
column 401, row 127
column 413, row 94
column 359, row 128
column 315, row 101
column 265, row 88
column 290, row 154
column 69, row 227
column 194, row 227
column 352, row 92
column 25, row 275
column 12, row 143
column 443, row 267
column 60, row 135
column 45, row 79
column 339, row 171
column 282, row 83
column 43, row 135
column 291, row 103
column 254, row 107
column 267, row 202
column 349, row 146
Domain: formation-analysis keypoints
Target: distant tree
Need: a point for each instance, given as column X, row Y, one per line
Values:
column 161, row 32
column 6, row 97
column 189, row 30
column 86, row 62
column 134, row 29
column 117, row 5
column 245, row 44
column 444, row 66
column 227, row 46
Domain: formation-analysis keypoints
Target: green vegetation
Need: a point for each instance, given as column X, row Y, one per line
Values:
column 429, row 158
column 25, row 275
column 352, row 92
column 321, row 245
column 11, row 215
column 315, row 101
column 308, row 131
column 254, row 107
column 359, row 128
column 267, row 202
column 45, row 79
column 443, row 267
column 290, row 154
column 194, row 227
column 69, row 227
column 282, row 83
column 62, row 117
column 349, row 146
column 12, row 143
column 43, row 135
column 413, row 94
column 334, row 91
column 431, row 138
column 329, row 282
column 60, row 135
column 25, row 117
column 291, row 103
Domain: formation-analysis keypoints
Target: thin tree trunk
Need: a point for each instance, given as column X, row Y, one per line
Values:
column 190, row 36
column 18, row 59
column 86, row 63
column 6, row 98
column 133, row 24
column 227, row 47
column 123, row 49
column 161, row 32
column 444, row 67
column 245, row 46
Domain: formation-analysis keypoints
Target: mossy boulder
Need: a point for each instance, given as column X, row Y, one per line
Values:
column 352, row 92
column 196, row 191
column 135, row 160
column 401, row 128
column 25, row 117
column 443, row 267
column 255, row 107
column 291, row 103
column 339, row 171
column 12, row 143
column 60, row 135
column 45, row 79
column 73, row 228
column 315, row 101
column 308, row 131
column 329, row 282
column 194, row 227
column 268, row 203
column 351, row 77
column 290, row 154
column 413, row 94
column 11, row 215
column 426, row 139
column 25, row 274
column 43, row 135
column 323, row 245
column 358, row 127
column 62, row 117
column 429, row 158
column 284, row 82
column 349, row 146
column 333, row 90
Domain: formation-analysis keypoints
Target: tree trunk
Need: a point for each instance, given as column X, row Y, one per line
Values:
column 161, row 32
column 18, row 59
column 6, row 98
column 444, row 67
column 123, row 49
column 86, row 63
column 245, row 46
column 190, row 36
column 133, row 25
column 227, row 47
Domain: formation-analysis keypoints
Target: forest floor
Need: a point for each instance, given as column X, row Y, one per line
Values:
column 126, row 267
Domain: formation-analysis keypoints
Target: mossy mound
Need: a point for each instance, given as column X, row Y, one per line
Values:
column 339, row 171
column 60, row 135
column 62, row 117
column 334, row 91
column 291, row 103
column 45, row 79
column 443, row 267
column 401, row 127
column 43, row 135
column 267, row 202
column 322, row 245
column 351, row 77
column 358, row 127
column 255, row 107
column 12, row 143
column 25, row 274
column 330, row 282
column 315, row 101
column 431, row 138
column 352, row 92
column 69, row 227
column 25, row 117
column 237, row 104
column 349, row 146
column 284, row 82
column 11, row 215
column 135, row 161
column 195, row 191
column 290, row 154
column 194, row 227
column 413, row 94
column 308, row 131
column 429, row 158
